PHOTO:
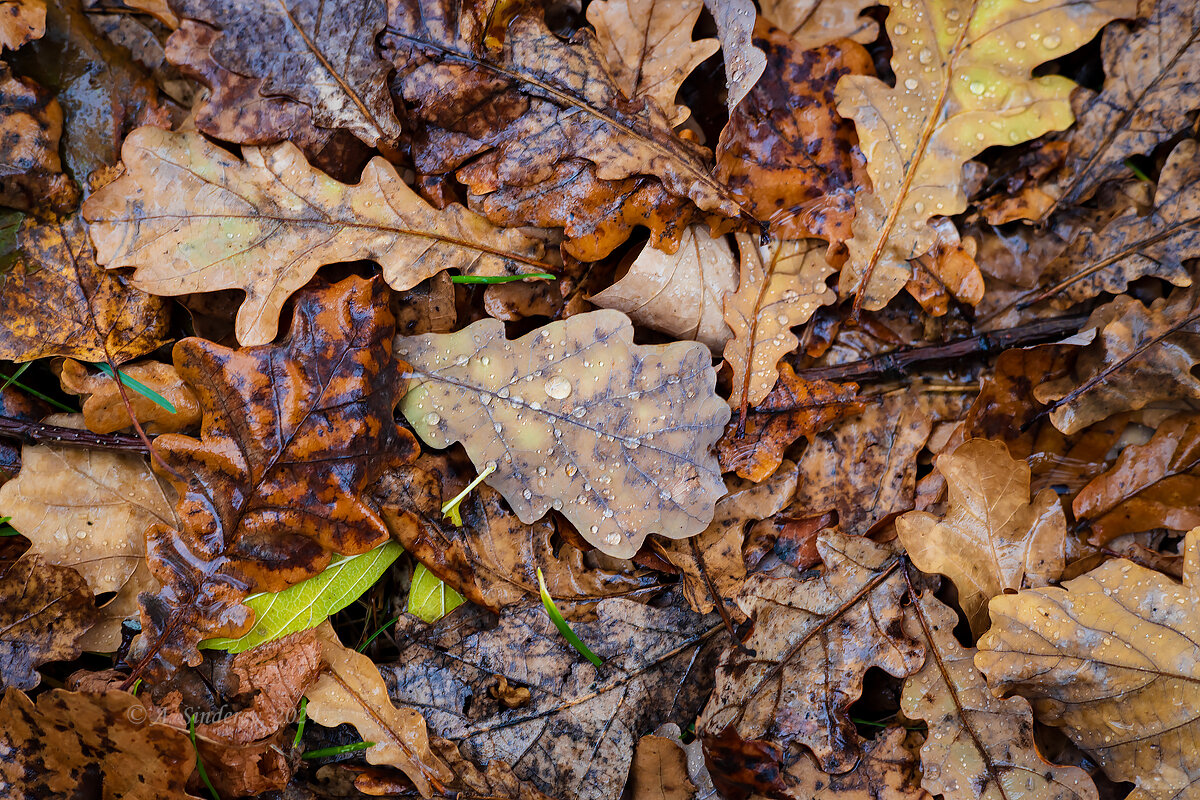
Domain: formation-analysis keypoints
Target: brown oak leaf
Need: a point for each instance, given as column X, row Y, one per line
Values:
column 21, row 21
column 104, row 409
column 44, row 610
column 816, row 23
column 31, row 125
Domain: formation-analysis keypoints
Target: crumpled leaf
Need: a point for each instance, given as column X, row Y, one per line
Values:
column 947, row 271
column 266, row 224
column 963, row 84
column 782, row 285
column 680, row 294
column 816, row 23
column 795, row 407
column 576, row 736
column 649, row 48
column 1151, row 485
column 21, row 21
column 744, row 63
column 104, row 739
column 293, row 434
column 87, row 508
column 785, row 153
column 1149, row 94
column 1133, row 245
column 56, row 301
column 44, row 610
column 993, row 537
column 659, row 770
column 320, row 53
column 1125, row 368
column 353, row 691
column 104, row 409
column 1111, row 658
column 814, row 638
column 31, row 123
column 982, row 747
column 628, row 429
column 496, row 780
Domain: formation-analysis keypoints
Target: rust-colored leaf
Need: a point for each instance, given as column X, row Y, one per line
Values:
column 44, row 610
column 31, row 122
column 577, row 418
column 104, row 409
column 21, row 21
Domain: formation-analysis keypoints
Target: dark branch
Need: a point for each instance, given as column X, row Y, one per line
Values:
column 31, row 432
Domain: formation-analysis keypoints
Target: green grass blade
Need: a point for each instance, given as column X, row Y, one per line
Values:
column 501, row 278
column 451, row 507
column 199, row 761
column 324, row 752
column 310, row 602
column 139, row 387
column 12, row 379
column 557, row 618
column 430, row 598
column 303, row 721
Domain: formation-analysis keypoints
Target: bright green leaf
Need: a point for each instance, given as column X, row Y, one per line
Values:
column 430, row 598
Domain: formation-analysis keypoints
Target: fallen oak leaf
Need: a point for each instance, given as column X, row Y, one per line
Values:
column 45, row 610
column 574, row 394
column 816, row 23
column 744, row 63
column 31, row 124
column 659, row 770
column 267, row 223
column 21, row 21
column 104, row 410
column 963, row 84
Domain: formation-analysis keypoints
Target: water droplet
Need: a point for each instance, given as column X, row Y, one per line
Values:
column 558, row 387
column 925, row 56
column 977, row 87
column 432, row 418
column 571, row 469
column 498, row 427
column 612, row 538
column 1052, row 41
column 782, row 319
column 528, row 495
column 541, row 471
column 901, row 29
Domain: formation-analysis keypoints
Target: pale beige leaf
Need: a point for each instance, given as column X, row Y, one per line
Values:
column 352, row 690
column 993, row 538
column 87, row 509
column 982, row 747
column 104, row 410
column 106, row 635
column 963, row 83
column 782, row 285
column 680, row 294
column 191, row 217
column 744, row 63
column 659, row 770
column 649, row 47
column 814, row 23
column 574, row 416
column 1112, row 658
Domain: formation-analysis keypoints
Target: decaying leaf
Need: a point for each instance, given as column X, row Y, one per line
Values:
column 104, row 741
column 44, row 610
column 576, row 417
column 1151, row 485
column 982, row 747
column 814, row 638
column 56, row 301
column 782, row 285
column 87, row 509
column 993, row 538
column 293, row 434
column 794, row 408
column 680, row 294
column 267, row 223
column 659, row 770
column 1139, row 356
column 321, row 54
column 1133, row 245
column 31, row 122
column 785, row 153
column 1111, row 657
column 21, row 21
column 576, row 736
column 104, row 410
column 353, row 691
column 744, row 63
column 816, row 23
column 649, row 48
column 963, row 84
column 1149, row 94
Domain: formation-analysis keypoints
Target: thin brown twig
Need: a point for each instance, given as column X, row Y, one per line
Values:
column 31, row 432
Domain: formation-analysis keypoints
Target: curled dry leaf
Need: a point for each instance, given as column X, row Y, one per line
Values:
column 21, row 21
column 649, row 48
column 983, row 747
column 715, row 562
column 496, row 780
column 56, row 301
column 1149, row 94
column 320, row 54
column 576, row 737
column 993, row 538
column 1111, row 658
column 103, row 739
column 266, row 224
column 744, row 63
column 87, row 508
column 816, row 23
column 1139, row 356
column 782, row 285
column 1151, row 485
column 963, row 84
column 104, row 409
column 31, row 123
column 795, row 407
column 576, row 417
column 45, row 610
column 680, row 294
column 293, row 434
column 947, row 271
column 352, row 690
column 814, row 639
column 660, row 770
column 1134, row 245
column 767, row 154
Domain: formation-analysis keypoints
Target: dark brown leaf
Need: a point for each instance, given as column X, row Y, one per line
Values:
column 44, row 610
column 31, row 122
